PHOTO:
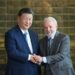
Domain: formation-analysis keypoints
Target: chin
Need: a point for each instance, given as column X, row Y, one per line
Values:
column 26, row 28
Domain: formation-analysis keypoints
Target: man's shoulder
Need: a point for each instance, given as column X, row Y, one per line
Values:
column 11, row 30
column 62, row 35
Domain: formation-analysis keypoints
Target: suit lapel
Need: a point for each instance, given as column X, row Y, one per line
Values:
column 32, row 40
column 22, row 39
column 46, row 45
column 53, row 46
column 56, row 42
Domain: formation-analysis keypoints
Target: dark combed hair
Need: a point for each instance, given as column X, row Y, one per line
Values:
column 25, row 10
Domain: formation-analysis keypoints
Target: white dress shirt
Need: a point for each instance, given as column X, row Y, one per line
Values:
column 28, row 42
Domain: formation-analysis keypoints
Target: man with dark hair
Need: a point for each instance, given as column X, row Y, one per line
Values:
column 21, row 43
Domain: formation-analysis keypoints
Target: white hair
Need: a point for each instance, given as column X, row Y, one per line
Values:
column 52, row 19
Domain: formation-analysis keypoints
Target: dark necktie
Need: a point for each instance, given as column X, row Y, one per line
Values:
column 49, row 42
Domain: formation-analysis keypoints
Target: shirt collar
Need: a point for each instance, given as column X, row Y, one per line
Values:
column 24, row 31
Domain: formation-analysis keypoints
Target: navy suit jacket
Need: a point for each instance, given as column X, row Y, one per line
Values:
column 18, row 51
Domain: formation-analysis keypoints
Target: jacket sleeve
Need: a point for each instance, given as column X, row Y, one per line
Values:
column 64, row 51
column 12, row 51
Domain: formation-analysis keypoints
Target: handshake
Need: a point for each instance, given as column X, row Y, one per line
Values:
column 36, row 59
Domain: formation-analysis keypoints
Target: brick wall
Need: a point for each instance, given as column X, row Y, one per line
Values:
column 62, row 10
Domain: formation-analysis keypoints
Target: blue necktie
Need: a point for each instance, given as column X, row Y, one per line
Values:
column 28, row 42
column 49, row 42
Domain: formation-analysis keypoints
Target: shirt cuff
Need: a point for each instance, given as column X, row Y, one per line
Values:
column 29, row 56
column 44, row 60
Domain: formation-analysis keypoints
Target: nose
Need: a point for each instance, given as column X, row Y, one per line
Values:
column 48, row 29
column 27, row 21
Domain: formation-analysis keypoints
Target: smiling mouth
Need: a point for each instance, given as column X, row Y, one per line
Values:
column 26, row 25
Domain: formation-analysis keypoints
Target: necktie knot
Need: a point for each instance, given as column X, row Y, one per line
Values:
column 25, row 34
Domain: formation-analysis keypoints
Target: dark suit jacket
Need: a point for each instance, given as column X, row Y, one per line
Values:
column 18, row 51
column 58, row 56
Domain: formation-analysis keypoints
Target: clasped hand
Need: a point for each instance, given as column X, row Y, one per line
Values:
column 36, row 59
